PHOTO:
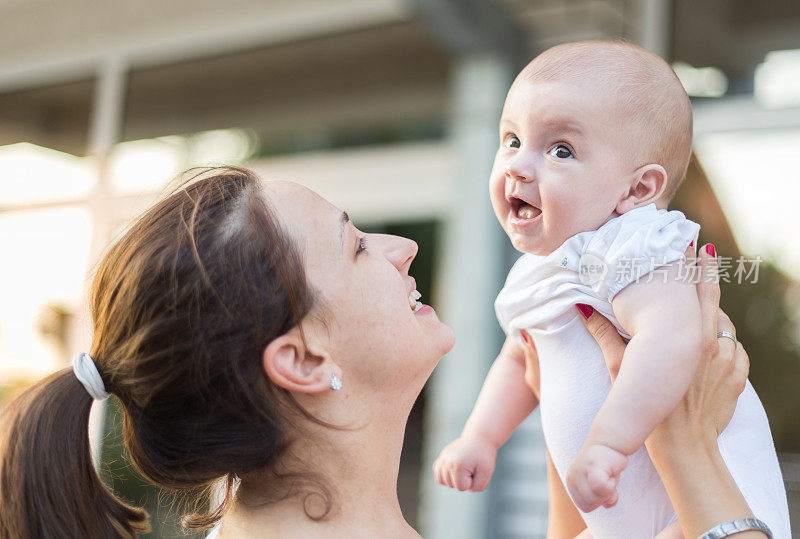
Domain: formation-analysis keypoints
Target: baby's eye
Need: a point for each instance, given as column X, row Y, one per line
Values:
column 560, row 151
column 511, row 141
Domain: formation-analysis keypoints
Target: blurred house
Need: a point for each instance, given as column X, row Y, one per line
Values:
column 388, row 108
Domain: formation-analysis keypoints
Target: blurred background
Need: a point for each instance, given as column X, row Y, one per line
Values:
column 389, row 109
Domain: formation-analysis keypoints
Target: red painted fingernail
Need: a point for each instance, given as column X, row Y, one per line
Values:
column 710, row 249
column 691, row 244
column 585, row 310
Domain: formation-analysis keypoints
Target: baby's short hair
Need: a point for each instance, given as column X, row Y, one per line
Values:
column 645, row 87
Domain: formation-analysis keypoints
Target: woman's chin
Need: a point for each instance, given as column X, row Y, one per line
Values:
column 438, row 345
column 445, row 342
column 451, row 340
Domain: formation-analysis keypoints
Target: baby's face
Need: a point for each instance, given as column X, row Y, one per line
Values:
column 562, row 164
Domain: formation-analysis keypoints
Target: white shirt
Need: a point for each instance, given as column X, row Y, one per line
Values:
column 540, row 295
column 541, row 291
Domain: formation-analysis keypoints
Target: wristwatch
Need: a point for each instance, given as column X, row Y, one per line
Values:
column 736, row 526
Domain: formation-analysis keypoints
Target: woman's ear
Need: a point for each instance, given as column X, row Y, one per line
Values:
column 291, row 366
column 649, row 183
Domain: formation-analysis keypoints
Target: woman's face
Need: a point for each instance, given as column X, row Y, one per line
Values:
column 368, row 326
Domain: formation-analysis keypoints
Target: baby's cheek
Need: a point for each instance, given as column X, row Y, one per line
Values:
column 572, row 213
column 497, row 196
column 557, row 218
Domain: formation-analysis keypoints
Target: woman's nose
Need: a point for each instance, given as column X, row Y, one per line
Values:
column 399, row 251
column 520, row 168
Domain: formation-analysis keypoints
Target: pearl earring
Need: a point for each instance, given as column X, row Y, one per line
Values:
column 336, row 383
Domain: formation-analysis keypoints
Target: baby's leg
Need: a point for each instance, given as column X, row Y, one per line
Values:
column 673, row 531
column 585, row 534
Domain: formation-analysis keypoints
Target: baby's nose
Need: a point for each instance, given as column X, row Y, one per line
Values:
column 520, row 169
column 518, row 174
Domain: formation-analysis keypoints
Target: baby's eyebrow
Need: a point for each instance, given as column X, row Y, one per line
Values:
column 504, row 120
column 563, row 125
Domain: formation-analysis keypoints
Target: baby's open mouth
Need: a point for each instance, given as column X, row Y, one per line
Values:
column 523, row 210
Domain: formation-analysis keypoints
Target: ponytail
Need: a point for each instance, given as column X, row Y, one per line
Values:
column 48, row 485
column 183, row 306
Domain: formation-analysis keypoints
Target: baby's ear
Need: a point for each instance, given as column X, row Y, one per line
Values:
column 648, row 184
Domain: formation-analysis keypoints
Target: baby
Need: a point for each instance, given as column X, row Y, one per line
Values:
column 595, row 138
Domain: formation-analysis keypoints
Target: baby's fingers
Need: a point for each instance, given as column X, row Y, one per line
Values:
column 462, row 478
column 616, row 465
column 603, row 480
column 450, row 475
column 442, row 472
column 456, row 477
column 584, row 492
column 612, row 501
column 481, row 477
column 601, row 484
column 438, row 474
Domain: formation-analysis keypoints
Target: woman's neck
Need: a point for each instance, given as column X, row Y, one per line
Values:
column 358, row 466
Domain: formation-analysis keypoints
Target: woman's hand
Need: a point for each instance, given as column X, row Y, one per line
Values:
column 531, row 363
column 683, row 447
column 720, row 377
column 711, row 399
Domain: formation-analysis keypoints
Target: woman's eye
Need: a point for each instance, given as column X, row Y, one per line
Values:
column 511, row 141
column 560, row 151
column 362, row 246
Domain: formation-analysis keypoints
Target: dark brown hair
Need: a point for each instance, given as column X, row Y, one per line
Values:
column 183, row 305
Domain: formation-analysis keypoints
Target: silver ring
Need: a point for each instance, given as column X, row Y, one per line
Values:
column 726, row 335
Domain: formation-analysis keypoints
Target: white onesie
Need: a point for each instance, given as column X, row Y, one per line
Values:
column 591, row 268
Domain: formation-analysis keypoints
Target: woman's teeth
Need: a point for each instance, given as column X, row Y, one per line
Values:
column 412, row 301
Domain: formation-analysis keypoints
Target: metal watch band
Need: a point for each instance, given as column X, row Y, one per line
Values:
column 736, row 526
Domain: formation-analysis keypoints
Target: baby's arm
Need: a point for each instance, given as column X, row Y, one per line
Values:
column 663, row 318
column 503, row 403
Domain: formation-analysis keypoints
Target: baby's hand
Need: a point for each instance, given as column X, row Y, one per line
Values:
column 593, row 477
column 466, row 464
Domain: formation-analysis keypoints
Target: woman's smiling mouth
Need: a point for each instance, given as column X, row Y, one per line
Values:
column 416, row 306
column 413, row 302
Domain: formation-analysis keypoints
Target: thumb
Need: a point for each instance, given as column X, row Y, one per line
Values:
column 604, row 332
